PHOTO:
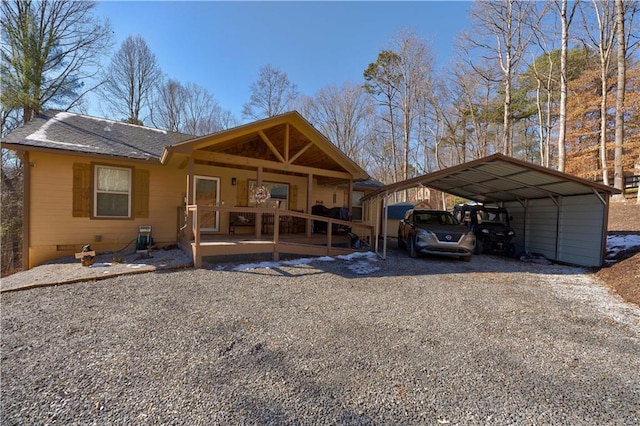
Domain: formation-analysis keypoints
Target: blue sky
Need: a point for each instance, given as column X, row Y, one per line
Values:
column 223, row 45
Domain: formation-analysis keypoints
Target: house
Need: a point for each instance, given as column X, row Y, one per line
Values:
column 94, row 181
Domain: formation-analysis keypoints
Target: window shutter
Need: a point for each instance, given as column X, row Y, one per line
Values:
column 242, row 193
column 293, row 198
column 141, row 193
column 81, row 190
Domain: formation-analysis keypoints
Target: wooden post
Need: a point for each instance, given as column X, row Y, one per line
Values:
column 329, row 237
column 197, row 257
column 309, row 205
column 191, row 194
column 276, row 234
column 259, row 213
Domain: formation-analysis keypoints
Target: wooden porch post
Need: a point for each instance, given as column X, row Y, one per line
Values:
column 309, row 205
column 350, row 198
column 191, row 193
column 259, row 214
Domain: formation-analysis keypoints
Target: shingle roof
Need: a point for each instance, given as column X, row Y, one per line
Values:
column 67, row 131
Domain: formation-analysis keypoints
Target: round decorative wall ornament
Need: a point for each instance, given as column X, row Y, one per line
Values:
column 261, row 194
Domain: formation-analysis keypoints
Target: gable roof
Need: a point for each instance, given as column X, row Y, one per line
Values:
column 286, row 142
column 66, row 131
column 499, row 178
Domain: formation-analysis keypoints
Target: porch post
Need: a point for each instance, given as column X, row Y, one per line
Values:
column 190, row 193
column 259, row 214
column 350, row 198
column 309, row 198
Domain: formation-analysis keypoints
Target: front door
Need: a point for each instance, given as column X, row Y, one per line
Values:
column 207, row 193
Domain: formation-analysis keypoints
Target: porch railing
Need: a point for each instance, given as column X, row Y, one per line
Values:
column 262, row 242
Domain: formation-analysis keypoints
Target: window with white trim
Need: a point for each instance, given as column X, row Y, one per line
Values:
column 112, row 192
column 356, row 206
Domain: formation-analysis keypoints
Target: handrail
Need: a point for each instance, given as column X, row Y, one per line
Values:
column 281, row 212
column 277, row 212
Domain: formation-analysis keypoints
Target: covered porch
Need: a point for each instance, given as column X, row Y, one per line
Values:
column 274, row 234
column 301, row 171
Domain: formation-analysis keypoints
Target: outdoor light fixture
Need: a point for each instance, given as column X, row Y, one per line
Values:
column 234, row 181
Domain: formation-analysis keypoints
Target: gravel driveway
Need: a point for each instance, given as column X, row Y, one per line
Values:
column 362, row 341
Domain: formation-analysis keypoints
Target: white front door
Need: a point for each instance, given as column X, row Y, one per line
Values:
column 207, row 195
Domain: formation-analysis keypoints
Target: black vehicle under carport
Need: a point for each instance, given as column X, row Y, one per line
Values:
column 557, row 215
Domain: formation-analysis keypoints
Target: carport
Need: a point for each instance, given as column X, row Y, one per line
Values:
column 555, row 214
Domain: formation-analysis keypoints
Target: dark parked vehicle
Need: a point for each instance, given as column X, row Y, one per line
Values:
column 435, row 232
column 491, row 225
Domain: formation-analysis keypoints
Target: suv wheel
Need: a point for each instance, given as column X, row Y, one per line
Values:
column 401, row 243
column 412, row 248
column 479, row 247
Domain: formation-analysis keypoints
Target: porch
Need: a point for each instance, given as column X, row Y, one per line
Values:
column 269, row 230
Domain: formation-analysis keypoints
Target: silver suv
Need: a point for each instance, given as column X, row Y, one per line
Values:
column 435, row 232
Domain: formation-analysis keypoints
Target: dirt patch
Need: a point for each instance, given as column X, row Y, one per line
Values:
column 624, row 217
column 623, row 276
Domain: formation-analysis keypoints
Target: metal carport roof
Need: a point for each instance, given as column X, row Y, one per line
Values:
column 499, row 178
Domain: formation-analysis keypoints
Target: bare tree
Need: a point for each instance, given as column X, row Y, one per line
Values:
column 566, row 16
column 130, row 79
column 502, row 32
column 167, row 108
column 416, row 63
column 49, row 50
column 188, row 108
column 400, row 80
column 383, row 82
column 618, row 173
column 602, row 40
column 203, row 113
column 344, row 115
column 271, row 94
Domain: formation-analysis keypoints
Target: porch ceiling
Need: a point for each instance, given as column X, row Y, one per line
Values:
column 286, row 143
column 273, row 142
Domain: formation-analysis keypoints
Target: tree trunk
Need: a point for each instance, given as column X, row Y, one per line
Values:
column 603, row 125
column 618, row 177
column 562, row 119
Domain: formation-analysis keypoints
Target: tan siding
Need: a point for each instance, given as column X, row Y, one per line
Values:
column 324, row 193
column 53, row 225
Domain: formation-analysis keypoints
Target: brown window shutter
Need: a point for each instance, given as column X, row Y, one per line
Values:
column 241, row 193
column 141, row 193
column 81, row 190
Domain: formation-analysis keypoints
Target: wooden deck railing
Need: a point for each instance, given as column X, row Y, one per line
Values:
column 220, row 243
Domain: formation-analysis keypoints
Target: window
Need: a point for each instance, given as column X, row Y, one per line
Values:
column 279, row 194
column 112, row 195
column 356, row 206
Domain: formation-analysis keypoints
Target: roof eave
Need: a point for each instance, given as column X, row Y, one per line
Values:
column 31, row 148
column 428, row 179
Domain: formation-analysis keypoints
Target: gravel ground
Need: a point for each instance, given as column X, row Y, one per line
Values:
column 362, row 341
